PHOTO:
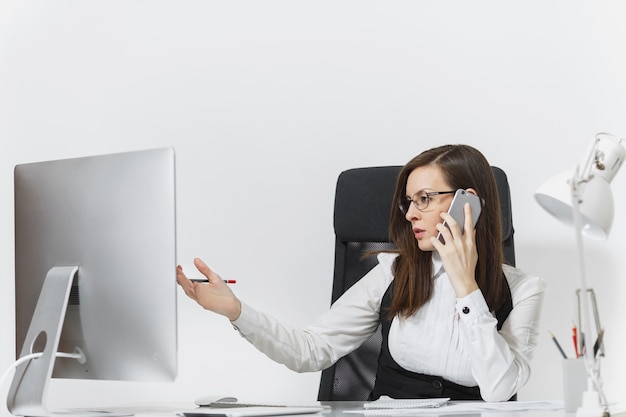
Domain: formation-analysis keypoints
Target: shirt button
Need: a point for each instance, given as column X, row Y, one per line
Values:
column 466, row 310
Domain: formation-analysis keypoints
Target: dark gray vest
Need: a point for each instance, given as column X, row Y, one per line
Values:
column 396, row 382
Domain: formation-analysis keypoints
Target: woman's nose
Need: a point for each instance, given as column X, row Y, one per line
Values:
column 412, row 213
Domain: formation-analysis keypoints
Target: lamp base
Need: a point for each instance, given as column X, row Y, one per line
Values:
column 591, row 405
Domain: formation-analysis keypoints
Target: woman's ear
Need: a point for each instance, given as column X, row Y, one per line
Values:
column 471, row 191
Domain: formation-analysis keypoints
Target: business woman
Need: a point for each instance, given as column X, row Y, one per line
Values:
column 456, row 321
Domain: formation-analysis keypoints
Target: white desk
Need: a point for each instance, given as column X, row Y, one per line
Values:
column 350, row 408
column 512, row 409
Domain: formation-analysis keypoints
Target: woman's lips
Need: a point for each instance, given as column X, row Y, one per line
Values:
column 419, row 233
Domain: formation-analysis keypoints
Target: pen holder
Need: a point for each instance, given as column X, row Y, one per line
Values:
column 574, row 383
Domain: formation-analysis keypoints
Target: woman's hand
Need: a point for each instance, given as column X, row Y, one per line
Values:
column 458, row 253
column 215, row 295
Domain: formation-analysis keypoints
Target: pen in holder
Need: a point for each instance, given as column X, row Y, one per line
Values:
column 598, row 345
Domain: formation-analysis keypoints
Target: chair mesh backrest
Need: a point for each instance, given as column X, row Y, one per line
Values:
column 363, row 202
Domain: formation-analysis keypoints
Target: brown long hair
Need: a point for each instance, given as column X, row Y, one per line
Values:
column 462, row 167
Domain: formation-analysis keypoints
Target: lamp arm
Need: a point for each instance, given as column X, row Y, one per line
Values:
column 584, row 313
column 594, row 400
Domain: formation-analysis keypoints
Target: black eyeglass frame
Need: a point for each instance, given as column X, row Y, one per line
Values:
column 403, row 203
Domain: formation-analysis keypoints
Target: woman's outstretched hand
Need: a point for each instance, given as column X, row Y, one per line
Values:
column 215, row 295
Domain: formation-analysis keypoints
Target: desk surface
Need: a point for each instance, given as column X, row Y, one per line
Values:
column 355, row 409
column 458, row 408
column 548, row 408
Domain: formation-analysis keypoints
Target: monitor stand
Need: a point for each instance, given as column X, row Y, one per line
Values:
column 28, row 389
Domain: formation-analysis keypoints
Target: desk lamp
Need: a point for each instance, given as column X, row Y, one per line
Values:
column 583, row 199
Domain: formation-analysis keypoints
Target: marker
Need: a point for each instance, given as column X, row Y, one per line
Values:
column 575, row 339
column 558, row 345
column 227, row 281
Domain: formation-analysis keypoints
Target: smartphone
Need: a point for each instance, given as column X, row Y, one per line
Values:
column 456, row 209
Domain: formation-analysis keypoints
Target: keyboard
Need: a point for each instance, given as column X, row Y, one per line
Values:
column 232, row 404
column 251, row 411
column 386, row 403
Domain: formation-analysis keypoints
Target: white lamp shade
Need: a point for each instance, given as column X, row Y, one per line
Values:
column 596, row 207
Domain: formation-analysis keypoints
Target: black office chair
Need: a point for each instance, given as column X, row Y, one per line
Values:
column 363, row 200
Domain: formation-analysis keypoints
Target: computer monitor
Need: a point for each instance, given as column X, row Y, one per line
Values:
column 95, row 271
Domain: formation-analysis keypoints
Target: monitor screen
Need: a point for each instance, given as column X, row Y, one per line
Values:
column 103, row 229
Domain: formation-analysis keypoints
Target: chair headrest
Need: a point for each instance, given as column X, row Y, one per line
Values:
column 364, row 196
column 504, row 194
column 362, row 199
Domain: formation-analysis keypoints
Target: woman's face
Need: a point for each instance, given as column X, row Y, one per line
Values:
column 423, row 222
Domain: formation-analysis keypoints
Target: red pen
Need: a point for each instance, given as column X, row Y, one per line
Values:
column 575, row 339
column 227, row 281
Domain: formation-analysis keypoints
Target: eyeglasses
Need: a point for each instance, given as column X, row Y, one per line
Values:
column 420, row 200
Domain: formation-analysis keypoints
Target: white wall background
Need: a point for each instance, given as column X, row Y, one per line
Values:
column 267, row 102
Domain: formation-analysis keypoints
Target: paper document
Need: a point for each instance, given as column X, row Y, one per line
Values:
column 462, row 407
column 385, row 402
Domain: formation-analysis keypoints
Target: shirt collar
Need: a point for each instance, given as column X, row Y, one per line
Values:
column 437, row 264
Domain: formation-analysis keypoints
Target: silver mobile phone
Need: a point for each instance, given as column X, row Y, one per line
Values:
column 456, row 209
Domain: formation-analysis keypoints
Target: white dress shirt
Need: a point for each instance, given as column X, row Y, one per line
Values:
column 453, row 338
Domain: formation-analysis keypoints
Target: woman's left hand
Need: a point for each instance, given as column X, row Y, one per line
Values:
column 458, row 253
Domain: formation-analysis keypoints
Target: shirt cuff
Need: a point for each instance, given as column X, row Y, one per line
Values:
column 245, row 322
column 471, row 307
